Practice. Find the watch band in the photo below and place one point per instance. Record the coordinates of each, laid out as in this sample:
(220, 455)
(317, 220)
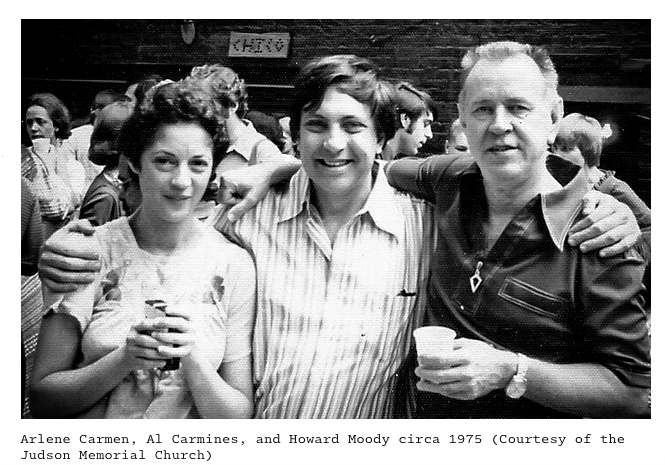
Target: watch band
(522, 366)
(517, 385)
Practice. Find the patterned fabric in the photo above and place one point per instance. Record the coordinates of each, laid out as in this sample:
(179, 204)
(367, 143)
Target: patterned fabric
(214, 279)
(48, 177)
(32, 306)
(334, 320)
(32, 233)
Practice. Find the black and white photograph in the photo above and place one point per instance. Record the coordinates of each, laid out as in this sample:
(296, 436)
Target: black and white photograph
(410, 221)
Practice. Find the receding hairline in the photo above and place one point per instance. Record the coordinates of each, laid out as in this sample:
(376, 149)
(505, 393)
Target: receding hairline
(499, 52)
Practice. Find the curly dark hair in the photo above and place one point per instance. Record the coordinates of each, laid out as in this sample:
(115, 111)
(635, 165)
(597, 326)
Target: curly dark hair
(353, 76)
(56, 110)
(176, 102)
(224, 85)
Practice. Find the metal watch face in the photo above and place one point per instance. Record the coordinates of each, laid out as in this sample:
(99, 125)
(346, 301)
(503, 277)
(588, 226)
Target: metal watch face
(516, 388)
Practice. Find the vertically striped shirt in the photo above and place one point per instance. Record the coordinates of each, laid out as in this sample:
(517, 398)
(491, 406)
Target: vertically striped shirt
(334, 321)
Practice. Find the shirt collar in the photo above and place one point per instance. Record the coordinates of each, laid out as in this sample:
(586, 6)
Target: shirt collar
(246, 142)
(560, 208)
(380, 204)
(298, 197)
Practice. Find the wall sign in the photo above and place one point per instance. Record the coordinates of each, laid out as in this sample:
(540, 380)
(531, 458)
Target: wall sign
(270, 45)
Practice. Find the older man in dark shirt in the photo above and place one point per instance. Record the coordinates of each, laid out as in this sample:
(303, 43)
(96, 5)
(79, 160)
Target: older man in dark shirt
(545, 331)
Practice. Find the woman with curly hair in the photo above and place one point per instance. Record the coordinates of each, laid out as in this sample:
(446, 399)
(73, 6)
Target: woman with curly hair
(165, 331)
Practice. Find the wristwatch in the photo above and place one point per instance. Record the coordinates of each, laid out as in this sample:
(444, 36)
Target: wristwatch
(517, 385)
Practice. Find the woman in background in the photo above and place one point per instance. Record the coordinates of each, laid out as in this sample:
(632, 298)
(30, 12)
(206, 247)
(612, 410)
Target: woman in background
(56, 178)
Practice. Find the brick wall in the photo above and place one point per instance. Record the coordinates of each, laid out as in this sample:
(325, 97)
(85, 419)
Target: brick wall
(97, 54)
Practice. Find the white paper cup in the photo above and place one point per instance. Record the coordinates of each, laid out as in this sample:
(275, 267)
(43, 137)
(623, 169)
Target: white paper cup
(434, 340)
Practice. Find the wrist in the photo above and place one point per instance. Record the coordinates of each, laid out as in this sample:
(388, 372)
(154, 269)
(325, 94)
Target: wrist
(512, 366)
(518, 382)
(126, 359)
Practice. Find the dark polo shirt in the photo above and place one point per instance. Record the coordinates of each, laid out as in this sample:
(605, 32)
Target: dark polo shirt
(538, 295)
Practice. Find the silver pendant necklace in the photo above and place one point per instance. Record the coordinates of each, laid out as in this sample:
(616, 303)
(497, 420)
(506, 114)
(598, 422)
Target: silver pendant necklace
(476, 280)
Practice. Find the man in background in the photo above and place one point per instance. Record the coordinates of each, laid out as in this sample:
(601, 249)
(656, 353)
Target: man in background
(415, 112)
(80, 137)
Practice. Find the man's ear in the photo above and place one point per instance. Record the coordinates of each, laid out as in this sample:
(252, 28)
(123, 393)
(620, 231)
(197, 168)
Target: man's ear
(462, 119)
(557, 116)
(380, 144)
(132, 167)
(404, 120)
(228, 111)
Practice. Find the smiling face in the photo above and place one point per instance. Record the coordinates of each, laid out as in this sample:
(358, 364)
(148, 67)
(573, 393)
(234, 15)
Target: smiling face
(509, 116)
(174, 171)
(338, 144)
(39, 123)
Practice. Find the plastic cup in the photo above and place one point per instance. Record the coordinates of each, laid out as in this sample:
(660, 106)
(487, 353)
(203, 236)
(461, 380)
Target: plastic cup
(434, 340)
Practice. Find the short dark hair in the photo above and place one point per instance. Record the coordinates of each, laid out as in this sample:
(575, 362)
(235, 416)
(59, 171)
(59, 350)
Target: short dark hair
(413, 102)
(144, 85)
(583, 132)
(108, 124)
(225, 86)
(175, 102)
(56, 110)
(355, 77)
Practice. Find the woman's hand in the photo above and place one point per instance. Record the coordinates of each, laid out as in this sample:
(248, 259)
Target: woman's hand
(175, 333)
(142, 348)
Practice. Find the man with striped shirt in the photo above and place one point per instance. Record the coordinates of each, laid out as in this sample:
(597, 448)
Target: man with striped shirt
(338, 256)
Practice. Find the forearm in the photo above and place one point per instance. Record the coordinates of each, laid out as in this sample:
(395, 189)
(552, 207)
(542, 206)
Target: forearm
(213, 396)
(281, 169)
(588, 390)
(403, 174)
(69, 259)
(65, 393)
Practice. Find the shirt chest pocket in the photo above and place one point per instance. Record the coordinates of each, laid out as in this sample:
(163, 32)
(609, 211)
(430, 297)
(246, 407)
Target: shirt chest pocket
(533, 299)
